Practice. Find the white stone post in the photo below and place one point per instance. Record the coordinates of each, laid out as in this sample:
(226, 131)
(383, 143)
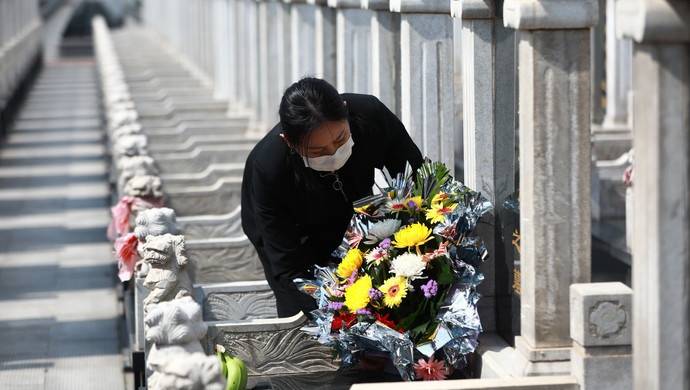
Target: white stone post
(555, 221)
(325, 41)
(614, 136)
(661, 248)
(384, 80)
(274, 59)
(600, 325)
(426, 75)
(302, 39)
(488, 71)
(353, 35)
(221, 56)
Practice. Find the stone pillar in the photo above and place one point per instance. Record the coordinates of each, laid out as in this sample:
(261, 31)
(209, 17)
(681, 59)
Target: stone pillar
(302, 39)
(384, 82)
(555, 224)
(600, 325)
(488, 69)
(353, 35)
(613, 137)
(661, 130)
(325, 41)
(232, 49)
(426, 75)
(618, 73)
(221, 56)
(274, 54)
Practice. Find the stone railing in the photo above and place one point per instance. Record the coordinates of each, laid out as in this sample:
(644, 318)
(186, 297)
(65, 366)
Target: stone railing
(222, 275)
(531, 54)
(20, 46)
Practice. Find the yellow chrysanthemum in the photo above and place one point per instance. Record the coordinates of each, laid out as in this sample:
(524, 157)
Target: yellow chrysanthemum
(350, 263)
(412, 236)
(357, 295)
(394, 290)
(438, 212)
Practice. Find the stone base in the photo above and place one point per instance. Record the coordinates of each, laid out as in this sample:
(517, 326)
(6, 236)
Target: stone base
(530, 361)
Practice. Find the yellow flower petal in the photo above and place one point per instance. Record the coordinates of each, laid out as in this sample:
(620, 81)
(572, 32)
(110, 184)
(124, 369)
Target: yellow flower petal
(357, 295)
(411, 236)
(350, 263)
(394, 290)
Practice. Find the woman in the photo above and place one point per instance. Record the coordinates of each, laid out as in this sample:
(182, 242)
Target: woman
(300, 180)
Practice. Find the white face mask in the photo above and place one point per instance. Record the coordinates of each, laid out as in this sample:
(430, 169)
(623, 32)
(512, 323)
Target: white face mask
(333, 162)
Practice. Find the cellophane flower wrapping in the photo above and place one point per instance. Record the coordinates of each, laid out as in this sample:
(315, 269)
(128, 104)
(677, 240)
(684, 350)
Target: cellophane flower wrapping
(407, 281)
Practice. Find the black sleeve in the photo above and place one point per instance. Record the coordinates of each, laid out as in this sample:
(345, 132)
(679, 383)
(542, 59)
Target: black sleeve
(282, 248)
(398, 145)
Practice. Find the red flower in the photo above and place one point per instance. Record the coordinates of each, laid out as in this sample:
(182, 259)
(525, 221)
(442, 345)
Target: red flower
(343, 319)
(388, 322)
(433, 370)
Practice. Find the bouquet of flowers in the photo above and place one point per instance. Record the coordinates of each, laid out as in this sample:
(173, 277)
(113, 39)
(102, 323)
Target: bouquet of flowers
(406, 284)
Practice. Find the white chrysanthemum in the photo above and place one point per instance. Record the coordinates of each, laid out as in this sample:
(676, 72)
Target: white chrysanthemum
(408, 265)
(382, 229)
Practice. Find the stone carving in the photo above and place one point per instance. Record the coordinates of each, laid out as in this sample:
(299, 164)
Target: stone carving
(175, 322)
(145, 186)
(188, 372)
(239, 306)
(155, 222)
(607, 319)
(224, 263)
(130, 145)
(129, 129)
(276, 352)
(167, 276)
(130, 167)
(176, 357)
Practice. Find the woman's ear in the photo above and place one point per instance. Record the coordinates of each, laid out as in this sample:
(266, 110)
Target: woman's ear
(292, 148)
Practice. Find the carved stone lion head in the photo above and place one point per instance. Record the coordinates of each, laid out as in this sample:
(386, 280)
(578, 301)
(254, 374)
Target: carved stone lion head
(144, 186)
(155, 222)
(176, 322)
(194, 371)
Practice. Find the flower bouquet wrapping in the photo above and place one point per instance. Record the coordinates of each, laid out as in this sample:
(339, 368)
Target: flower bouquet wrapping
(406, 282)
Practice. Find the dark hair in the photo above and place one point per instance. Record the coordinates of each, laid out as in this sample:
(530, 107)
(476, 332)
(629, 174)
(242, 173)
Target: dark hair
(305, 105)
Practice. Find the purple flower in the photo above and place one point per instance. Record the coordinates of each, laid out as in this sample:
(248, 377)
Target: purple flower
(430, 288)
(335, 305)
(375, 294)
(363, 312)
(412, 205)
(385, 244)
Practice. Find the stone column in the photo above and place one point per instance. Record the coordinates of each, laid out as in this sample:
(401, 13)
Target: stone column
(274, 59)
(426, 75)
(353, 34)
(554, 101)
(221, 56)
(325, 41)
(488, 69)
(600, 325)
(661, 250)
(613, 137)
(384, 81)
(618, 74)
(302, 39)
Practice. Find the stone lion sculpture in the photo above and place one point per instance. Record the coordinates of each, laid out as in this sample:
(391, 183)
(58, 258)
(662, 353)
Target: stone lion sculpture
(155, 222)
(144, 186)
(131, 166)
(176, 357)
(187, 372)
(167, 276)
(131, 145)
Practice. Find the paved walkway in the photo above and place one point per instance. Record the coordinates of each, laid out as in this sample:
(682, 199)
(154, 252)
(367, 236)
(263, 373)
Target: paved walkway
(58, 304)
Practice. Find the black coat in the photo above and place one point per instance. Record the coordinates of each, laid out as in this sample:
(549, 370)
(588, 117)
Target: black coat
(293, 215)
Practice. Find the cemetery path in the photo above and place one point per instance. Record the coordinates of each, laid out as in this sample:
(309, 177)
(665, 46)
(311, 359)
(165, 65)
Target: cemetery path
(59, 312)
